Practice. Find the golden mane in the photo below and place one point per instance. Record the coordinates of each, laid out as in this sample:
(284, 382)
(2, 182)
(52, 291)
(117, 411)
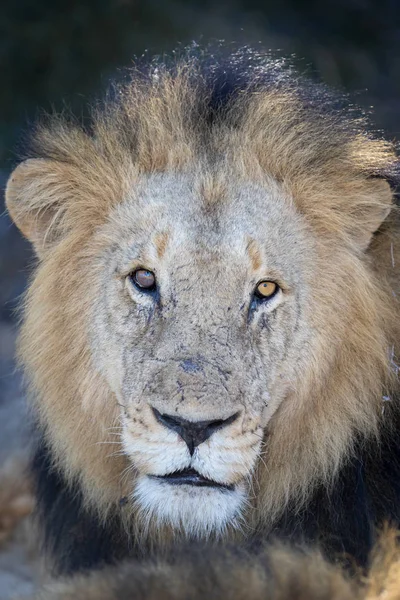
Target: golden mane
(169, 120)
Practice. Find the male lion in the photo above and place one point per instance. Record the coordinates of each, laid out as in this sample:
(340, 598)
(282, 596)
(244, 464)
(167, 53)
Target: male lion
(211, 332)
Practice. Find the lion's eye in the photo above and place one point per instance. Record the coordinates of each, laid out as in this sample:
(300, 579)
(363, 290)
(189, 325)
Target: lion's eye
(266, 289)
(144, 280)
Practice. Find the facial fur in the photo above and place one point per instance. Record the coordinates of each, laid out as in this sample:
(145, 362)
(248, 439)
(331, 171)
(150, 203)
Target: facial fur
(203, 348)
(266, 192)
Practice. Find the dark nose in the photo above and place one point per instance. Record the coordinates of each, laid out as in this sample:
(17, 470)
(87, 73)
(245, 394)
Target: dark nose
(193, 433)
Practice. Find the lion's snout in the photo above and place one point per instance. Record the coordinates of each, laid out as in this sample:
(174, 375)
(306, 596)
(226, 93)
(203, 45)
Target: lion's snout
(193, 433)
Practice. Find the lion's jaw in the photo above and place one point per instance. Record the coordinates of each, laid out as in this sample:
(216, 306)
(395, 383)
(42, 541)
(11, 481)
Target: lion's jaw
(202, 350)
(218, 474)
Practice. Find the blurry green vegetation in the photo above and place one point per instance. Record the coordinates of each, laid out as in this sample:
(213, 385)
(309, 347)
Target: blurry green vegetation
(63, 51)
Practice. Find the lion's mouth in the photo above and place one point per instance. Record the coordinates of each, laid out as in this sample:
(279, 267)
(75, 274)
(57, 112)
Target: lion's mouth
(191, 477)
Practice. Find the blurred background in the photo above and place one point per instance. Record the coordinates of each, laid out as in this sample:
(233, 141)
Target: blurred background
(57, 53)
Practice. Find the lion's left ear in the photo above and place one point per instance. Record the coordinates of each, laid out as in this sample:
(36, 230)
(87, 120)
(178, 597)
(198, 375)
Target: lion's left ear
(371, 213)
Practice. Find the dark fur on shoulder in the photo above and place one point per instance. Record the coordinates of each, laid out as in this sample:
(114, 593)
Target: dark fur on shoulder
(73, 535)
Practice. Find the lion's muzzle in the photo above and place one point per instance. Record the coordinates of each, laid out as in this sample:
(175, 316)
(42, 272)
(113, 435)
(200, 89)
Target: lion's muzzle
(193, 433)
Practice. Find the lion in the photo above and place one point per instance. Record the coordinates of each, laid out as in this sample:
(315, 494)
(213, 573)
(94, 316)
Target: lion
(210, 335)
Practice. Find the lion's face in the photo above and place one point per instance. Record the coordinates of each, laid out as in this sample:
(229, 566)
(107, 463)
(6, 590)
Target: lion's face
(199, 361)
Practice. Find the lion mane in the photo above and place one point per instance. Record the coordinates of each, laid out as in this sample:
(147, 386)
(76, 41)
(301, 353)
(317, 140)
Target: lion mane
(327, 469)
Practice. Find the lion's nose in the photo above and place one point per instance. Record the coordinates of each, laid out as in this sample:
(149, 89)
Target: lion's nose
(193, 433)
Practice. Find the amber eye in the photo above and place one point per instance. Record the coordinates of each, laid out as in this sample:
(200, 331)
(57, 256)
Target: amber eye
(266, 289)
(143, 279)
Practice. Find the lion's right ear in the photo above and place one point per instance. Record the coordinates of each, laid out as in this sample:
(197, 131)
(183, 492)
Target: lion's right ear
(36, 198)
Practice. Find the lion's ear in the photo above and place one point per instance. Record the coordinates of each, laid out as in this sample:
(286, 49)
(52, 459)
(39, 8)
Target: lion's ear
(36, 196)
(373, 212)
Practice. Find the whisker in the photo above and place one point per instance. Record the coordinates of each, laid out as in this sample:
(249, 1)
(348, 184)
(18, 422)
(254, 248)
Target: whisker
(114, 454)
(126, 472)
(250, 481)
(264, 463)
(113, 443)
(262, 437)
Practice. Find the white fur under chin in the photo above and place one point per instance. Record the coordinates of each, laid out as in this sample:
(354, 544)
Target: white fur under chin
(197, 512)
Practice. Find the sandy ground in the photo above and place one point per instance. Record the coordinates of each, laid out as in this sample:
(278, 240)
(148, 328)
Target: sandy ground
(18, 551)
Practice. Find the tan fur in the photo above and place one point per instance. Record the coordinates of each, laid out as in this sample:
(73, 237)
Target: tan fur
(277, 574)
(161, 242)
(75, 206)
(383, 579)
(255, 255)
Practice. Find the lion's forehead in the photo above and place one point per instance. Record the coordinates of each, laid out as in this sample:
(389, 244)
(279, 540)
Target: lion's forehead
(215, 220)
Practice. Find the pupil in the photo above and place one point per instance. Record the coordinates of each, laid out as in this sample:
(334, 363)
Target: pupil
(144, 279)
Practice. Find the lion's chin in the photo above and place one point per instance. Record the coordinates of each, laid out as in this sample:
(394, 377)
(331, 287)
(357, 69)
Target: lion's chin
(197, 511)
